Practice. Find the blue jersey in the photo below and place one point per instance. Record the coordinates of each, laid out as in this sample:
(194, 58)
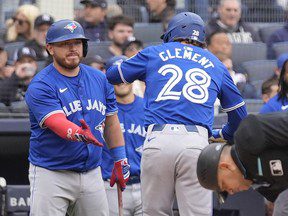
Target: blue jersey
(182, 84)
(87, 96)
(131, 117)
(275, 105)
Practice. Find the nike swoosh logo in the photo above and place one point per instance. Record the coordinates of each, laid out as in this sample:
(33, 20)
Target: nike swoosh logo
(149, 139)
(284, 107)
(62, 90)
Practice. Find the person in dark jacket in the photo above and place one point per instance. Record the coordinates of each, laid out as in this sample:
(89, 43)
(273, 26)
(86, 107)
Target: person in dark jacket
(94, 21)
(38, 44)
(229, 20)
(258, 158)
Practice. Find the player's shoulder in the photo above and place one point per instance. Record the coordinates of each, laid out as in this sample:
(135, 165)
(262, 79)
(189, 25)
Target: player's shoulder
(44, 76)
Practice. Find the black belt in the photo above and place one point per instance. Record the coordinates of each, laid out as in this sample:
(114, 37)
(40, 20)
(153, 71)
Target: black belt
(189, 128)
(132, 180)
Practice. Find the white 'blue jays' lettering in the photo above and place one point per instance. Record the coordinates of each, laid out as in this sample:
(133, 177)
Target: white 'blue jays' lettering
(75, 106)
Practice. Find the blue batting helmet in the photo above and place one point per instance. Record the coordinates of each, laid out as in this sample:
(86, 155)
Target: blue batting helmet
(185, 25)
(64, 30)
(114, 60)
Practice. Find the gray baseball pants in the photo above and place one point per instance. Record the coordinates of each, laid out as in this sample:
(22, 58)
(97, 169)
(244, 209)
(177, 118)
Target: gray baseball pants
(53, 193)
(168, 168)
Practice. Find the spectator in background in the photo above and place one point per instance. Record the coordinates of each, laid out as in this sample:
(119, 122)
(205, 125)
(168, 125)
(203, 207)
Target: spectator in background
(14, 88)
(219, 44)
(5, 69)
(41, 25)
(161, 11)
(229, 20)
(280, 101)
(269, 88)
(280, 62)
(21, 26)
(120, 29)
(94, 22)
(95, 61)
(130, 48)
(280, 35)
(113, 10)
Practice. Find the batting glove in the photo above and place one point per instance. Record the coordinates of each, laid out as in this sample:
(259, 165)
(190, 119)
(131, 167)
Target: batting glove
(84, 134)
(217, 136)
(120, 173)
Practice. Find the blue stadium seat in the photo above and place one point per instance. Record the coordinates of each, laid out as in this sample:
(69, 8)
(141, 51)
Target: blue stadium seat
(265, 32)
(242, 52)
(280, 48)
(258, 71)
(148, 32)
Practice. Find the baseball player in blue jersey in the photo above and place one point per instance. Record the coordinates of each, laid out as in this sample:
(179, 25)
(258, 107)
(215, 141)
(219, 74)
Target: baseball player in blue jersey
(183, 81)
(68, 104)
(131, 117)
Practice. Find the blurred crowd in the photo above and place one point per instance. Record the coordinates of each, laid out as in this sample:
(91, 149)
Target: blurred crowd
(23, 52)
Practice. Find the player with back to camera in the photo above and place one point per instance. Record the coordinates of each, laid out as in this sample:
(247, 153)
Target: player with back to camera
(69, 103)
(183, 81)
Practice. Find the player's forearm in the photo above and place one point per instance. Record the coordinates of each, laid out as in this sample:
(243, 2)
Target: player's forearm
(113, 75)
(112, 132)
(234, 119)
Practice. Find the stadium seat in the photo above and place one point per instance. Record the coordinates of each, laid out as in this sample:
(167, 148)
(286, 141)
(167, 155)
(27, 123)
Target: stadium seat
(242, 52)
(138, 12)
(265, 32)
(11, 48)
(258, 71)
(280, 48)
(253, 105)
(95, 48)
(148, 32)
(17, 200)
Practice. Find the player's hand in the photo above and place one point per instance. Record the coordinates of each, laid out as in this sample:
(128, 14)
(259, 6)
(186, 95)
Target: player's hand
(217, 136)
(120, 173)
(84, 134)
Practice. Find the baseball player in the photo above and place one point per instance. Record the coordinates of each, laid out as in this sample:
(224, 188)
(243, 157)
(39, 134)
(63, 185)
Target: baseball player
(183, 81)
(259, 158)
(68, 104)
(131, 117)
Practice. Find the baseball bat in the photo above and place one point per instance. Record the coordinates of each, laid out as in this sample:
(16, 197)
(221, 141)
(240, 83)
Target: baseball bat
(120, 201)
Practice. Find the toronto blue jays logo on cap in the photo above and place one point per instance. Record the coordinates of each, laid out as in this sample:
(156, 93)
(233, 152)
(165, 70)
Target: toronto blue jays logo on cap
(71, 27)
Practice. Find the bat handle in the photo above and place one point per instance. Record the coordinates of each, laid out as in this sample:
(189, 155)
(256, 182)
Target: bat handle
(120, 201)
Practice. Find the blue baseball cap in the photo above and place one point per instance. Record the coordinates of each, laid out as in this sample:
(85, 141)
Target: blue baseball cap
(281, 60)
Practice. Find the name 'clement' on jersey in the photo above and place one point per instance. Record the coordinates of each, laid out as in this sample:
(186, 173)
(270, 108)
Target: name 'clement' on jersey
(186, 53)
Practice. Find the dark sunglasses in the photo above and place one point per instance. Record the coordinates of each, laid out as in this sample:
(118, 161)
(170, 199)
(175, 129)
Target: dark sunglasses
(20, 22)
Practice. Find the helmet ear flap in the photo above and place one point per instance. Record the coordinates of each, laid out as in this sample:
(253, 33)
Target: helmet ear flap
(85, 47)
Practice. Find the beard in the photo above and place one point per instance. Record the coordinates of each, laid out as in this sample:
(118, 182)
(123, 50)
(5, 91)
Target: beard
(67, 65)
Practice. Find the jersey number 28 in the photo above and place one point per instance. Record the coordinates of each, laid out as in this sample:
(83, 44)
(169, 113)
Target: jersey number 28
(195, 88)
